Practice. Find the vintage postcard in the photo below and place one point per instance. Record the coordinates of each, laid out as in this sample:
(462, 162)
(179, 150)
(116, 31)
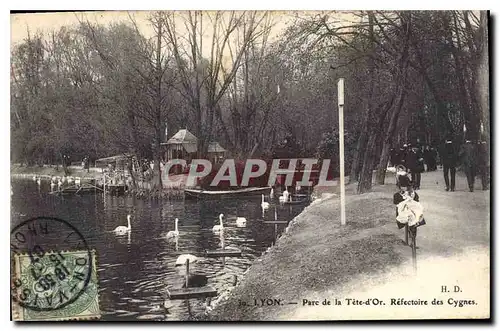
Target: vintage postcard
(250, 165)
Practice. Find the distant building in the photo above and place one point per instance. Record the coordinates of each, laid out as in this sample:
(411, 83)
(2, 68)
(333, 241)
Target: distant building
(184, 145)
(115, 163)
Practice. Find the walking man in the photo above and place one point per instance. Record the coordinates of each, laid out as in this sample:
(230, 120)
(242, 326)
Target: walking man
(449, 161)
(469, 158)
(483, 163)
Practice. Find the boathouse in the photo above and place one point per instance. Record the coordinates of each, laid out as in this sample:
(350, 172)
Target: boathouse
(184, 145)
(116, 162)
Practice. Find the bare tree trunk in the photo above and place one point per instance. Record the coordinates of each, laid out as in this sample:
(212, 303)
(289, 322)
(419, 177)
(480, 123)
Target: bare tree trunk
(401, 84)
(157, 184)
(483, 77)
(360, 147)
(365, 176)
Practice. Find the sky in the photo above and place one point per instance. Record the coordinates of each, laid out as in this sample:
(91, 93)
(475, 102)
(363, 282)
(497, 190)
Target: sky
(46, 22)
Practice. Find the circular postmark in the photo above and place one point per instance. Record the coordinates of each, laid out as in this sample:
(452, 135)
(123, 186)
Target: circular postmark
(52, 264)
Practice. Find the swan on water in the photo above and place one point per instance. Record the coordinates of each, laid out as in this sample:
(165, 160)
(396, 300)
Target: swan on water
(181, 260)
(175, 233)
(219, 227)
(264, 205)
(284, 196)
(124, 229)
(241, 221)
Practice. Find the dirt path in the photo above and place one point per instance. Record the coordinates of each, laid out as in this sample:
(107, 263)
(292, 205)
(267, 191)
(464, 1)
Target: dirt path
(318, 260)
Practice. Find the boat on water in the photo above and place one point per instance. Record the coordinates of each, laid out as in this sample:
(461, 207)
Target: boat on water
(236, 193)
(83, 189)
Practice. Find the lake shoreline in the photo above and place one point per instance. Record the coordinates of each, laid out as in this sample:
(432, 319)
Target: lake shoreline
(47, 172)
(175, 190)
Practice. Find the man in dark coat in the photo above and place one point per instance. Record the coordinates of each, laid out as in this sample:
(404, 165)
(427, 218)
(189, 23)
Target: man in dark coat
(468, 159)
(395, 157)
(402, 155)
(433, 158)
(483, 165)
(415, 164)
(429, 158)
(449, 161)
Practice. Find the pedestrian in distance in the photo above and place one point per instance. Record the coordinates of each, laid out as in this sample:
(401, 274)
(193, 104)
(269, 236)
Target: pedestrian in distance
(433, 158)
(483, 165)
(468, 157)
(449, 161)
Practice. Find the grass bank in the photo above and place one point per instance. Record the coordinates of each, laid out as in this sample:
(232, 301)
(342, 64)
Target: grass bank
(316, 254)
(316, 258)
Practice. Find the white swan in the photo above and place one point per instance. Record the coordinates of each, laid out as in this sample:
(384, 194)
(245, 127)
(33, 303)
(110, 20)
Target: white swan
(219, 227)
(123, 229)
(264, 205)
(284, 196)
(175, 233)
(181, 260)
(241, 221)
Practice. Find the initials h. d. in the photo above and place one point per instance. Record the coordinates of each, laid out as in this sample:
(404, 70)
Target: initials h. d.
(456, 288)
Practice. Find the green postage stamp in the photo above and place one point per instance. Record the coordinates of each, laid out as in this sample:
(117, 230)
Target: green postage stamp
(55, 286)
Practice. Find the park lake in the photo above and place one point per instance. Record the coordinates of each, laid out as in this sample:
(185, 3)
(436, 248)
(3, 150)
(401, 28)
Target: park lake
(134, 271)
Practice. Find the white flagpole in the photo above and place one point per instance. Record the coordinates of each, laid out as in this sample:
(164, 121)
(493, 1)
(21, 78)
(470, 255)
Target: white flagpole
(340, 92)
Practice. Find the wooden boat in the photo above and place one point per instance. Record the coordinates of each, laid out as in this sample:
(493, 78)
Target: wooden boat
(243, 192)
(83, 189)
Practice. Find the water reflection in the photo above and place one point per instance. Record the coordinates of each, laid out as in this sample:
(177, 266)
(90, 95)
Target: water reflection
(135, 269)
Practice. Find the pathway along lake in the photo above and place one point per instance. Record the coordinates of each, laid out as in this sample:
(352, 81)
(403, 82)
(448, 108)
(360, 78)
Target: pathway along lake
(134, 271)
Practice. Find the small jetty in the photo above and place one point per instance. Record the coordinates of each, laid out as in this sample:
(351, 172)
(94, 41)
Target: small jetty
(191, 292)
(229, 252)
(275, 222)
(115, 189)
